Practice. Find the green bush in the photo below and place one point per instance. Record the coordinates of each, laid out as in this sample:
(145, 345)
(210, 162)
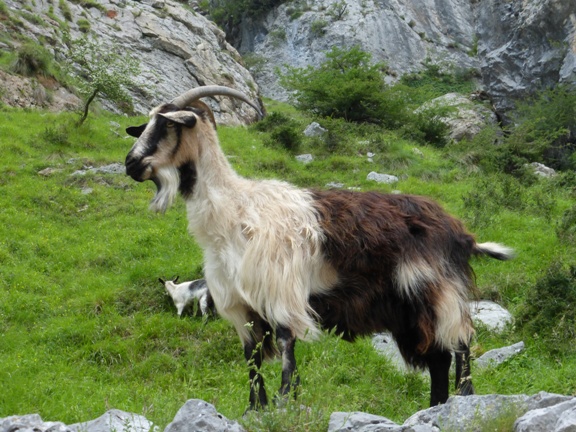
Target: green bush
(544, 127)
(347, 85)
(566, 227)
(549, 310)
(283, 131)
(32, 60)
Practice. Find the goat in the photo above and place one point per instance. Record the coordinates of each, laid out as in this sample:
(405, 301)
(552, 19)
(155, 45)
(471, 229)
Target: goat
(184, 294)
(283, 263)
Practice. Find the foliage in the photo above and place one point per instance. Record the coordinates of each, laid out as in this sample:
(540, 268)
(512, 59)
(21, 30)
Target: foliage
(101, 71)
(566, 226)
(33, 60)
(545, 127)
(345, 86)
(65, 9)
(549, 309)
(283, 131)
(435, 80)
(543, 130)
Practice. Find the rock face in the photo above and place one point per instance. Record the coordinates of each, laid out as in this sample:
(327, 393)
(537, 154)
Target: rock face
(525, 45)
(516, 46)
(177, 48)
(403, 34)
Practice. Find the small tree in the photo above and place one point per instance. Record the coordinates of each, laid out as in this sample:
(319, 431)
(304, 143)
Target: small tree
(102, 71)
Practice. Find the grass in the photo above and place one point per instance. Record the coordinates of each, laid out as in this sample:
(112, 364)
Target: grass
(85, 326)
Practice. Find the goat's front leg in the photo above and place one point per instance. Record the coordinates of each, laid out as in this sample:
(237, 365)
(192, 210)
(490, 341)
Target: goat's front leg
(439, 367)
(286, 341)
(253, 355)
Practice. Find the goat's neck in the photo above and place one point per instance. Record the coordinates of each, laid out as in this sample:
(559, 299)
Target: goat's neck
(217, 185)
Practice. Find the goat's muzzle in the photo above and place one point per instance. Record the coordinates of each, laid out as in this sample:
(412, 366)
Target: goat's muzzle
(136, 169)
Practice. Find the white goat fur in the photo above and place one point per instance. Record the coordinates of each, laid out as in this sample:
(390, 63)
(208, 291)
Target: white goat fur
(271, 261)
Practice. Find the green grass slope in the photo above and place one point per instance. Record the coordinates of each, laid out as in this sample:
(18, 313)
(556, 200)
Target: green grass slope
(85, 326)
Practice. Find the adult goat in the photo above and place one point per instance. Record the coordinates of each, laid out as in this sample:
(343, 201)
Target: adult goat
(282, 261)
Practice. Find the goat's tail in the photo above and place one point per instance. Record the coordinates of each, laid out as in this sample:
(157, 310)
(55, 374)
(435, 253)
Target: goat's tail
(494, 250)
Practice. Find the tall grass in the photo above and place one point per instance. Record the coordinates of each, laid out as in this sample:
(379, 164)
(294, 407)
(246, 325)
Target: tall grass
(85, 326)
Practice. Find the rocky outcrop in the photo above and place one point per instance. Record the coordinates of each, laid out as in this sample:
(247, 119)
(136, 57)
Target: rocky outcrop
(515, 46)
(537, 413)
(403, 34)
(177, 48)
(525, 45)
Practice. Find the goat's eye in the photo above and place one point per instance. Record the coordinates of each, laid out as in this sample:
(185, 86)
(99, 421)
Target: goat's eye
(170, 124)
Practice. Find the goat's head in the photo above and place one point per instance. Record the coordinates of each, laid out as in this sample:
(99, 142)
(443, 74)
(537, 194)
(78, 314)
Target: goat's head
(168, 146)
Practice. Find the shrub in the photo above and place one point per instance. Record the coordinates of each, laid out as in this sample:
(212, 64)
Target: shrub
(549, 310)
(32, 60)
(545, 127)
(566, 227)
(83, 25)
(283, 131)
(347, 85)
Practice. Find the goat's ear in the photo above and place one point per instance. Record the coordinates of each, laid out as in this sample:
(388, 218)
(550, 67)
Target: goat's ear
(185, 118)
(136, 131)
(162, 281)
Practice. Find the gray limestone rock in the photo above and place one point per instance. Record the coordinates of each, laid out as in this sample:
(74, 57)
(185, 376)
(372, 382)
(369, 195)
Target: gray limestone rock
(197, 415)
(115, 420)
(500, 355)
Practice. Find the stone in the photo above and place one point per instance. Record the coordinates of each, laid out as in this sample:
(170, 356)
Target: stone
(197, 415)
(499, 355)
(490, 314)
(360, 422)
(466, 119)
(542, 170)
(548, 419)
(382, 178)
(314, 129)
(30, 423)
(305, 158)
(115, 420)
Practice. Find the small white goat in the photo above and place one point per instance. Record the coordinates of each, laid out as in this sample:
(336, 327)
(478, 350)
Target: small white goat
(184, 294)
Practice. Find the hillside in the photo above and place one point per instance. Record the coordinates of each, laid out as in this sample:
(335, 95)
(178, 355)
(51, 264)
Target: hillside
(86, 325)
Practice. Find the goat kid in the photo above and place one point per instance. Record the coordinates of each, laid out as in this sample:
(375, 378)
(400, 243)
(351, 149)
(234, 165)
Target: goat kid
(283, 262)
(184, 294)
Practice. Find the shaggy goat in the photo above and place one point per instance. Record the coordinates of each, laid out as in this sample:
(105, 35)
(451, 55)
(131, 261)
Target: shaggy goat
(184, 294)
(283, 261)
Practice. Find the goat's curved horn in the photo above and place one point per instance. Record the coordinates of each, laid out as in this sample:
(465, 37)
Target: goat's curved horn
(213, 90)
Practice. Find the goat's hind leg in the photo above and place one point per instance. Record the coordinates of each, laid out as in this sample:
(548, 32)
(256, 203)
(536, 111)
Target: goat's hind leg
(286, 341)
(464, 385)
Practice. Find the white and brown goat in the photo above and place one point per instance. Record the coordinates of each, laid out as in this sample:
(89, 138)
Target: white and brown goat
(284, 262)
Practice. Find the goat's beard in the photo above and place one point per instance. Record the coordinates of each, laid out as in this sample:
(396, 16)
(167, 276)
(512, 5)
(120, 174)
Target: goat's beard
(167, 181)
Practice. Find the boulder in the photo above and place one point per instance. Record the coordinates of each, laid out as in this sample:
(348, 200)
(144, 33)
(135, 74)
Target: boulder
(197, 415)
(115, 420)
(382, 178)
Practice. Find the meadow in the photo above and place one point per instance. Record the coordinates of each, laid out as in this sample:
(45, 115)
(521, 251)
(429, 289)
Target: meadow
(85, 325)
